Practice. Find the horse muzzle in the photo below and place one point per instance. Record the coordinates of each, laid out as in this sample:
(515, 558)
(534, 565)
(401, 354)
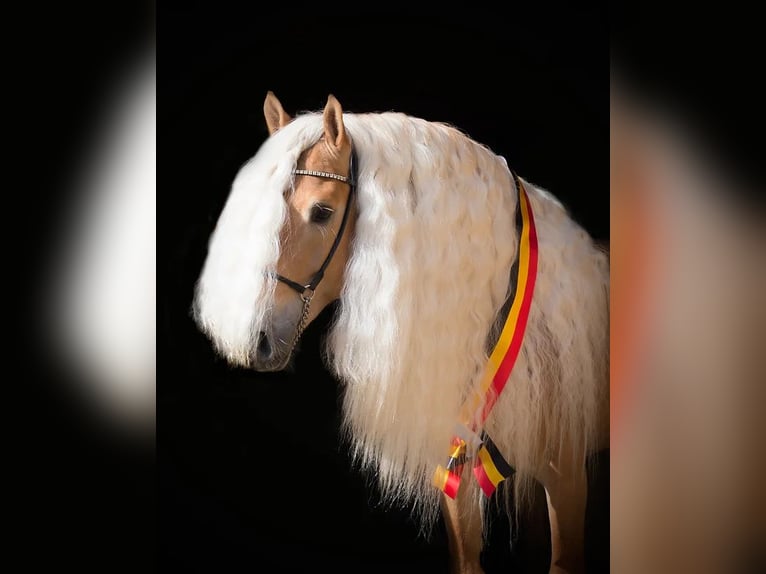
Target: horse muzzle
(270, 352)
(272, 347)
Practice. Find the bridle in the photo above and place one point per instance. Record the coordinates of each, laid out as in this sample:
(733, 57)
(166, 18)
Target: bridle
(307, 291)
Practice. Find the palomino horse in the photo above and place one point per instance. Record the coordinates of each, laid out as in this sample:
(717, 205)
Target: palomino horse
(414, 228)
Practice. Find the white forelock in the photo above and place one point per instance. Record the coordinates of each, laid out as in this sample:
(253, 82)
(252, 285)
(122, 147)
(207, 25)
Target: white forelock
(234, 294)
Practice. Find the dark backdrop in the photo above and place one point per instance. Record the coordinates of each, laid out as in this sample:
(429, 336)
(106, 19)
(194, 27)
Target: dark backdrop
(252, 475)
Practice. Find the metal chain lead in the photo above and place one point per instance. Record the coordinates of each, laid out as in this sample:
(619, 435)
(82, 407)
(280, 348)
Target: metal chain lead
(299, 329)
(302, 324)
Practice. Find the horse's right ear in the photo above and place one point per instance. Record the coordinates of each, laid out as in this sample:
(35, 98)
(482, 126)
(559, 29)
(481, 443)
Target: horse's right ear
(276, 117)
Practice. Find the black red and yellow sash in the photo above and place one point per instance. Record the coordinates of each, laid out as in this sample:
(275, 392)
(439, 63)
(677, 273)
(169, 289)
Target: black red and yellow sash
(490, 468)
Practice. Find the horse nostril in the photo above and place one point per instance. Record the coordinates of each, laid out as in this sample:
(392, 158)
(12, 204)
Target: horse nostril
(263, 347)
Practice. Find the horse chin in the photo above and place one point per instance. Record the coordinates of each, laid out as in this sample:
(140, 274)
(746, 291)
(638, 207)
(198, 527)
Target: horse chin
(272, 368)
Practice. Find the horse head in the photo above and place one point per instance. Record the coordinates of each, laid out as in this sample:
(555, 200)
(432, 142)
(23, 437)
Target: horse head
(315, 236)
(315, 230)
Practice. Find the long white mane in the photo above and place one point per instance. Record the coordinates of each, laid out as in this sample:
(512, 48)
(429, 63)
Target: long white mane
(434, 242)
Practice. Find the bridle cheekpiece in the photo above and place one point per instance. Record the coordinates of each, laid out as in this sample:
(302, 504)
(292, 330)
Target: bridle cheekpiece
(307, 291)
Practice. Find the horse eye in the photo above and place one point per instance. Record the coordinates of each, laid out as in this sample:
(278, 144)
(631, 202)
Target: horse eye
(321, 214)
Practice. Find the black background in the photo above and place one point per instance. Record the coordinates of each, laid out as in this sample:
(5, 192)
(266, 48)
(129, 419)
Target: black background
(529, 80)
(252, 474)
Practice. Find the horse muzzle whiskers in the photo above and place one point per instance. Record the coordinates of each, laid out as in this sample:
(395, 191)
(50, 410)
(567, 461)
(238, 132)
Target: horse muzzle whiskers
(270, 353)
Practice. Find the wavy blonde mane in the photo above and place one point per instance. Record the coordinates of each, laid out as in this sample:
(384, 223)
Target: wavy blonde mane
(435, 239)
(434, 242)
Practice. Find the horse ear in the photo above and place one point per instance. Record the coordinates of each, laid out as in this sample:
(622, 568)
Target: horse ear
(334, 131)
(276, 117)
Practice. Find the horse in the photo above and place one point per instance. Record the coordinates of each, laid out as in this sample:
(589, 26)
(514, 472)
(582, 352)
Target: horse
(409, 225)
